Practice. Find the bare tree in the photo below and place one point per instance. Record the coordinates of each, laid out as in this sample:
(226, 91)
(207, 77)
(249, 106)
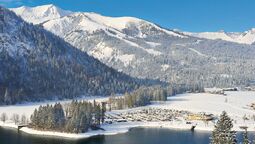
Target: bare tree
(23, 119)
(245, 118)
(15, 118)
(4, 117)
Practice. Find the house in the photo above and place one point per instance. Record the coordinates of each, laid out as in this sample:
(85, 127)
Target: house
(200, 116)
(214, 91)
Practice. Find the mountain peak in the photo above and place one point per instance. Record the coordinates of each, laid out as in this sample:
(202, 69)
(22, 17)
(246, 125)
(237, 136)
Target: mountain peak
(247, 37)
(50, 5)
(252, 30)
(221, 31)
(114, 22)
(40, 14)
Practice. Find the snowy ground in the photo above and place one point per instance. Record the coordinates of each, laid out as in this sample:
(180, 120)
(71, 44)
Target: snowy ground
(236, 104)
(28, 108)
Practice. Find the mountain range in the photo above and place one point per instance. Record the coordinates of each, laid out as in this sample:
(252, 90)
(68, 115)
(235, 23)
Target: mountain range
(145, 50)
(42, 14)
(247, 37)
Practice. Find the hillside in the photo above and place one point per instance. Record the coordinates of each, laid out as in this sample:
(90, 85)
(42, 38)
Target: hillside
(37, 65)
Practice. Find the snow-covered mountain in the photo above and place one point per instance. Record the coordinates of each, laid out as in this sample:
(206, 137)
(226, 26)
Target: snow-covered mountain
(37, 65)
(80, 27)
(40, 14)
(86, 21)
(93, 22)
(247, 37)
(145, 50)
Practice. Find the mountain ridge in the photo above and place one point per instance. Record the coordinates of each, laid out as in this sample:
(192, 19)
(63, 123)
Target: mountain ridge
(247, 37)
(145, 50)
(114, 22)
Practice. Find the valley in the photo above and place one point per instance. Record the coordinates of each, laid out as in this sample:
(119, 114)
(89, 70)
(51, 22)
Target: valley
(237, 106)
(72, 76)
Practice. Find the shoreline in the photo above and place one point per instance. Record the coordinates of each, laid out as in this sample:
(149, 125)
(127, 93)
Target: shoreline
(111, 129)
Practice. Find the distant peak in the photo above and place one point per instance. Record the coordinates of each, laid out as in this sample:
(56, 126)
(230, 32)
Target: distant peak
(51, 5)
(253, 30)
(47, 6)
(36, 7)
(221, 31)
(23, 7)
(42, 8)
(40, 14)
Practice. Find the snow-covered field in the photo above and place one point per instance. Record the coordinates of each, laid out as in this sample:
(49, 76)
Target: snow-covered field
(236, 104)
(28, 108)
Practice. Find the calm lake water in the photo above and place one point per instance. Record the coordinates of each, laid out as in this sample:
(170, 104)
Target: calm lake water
(134, 136)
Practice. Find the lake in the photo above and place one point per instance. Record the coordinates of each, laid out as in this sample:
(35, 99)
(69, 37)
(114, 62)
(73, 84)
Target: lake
(134, 136)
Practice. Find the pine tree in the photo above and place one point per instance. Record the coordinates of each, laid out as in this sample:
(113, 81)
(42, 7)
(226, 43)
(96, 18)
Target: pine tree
(245, 137)
(103, 110)
(59, 115)
(222, 133)
(97, 114)
(34, 119)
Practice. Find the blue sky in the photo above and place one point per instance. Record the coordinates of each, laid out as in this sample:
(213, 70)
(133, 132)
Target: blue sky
(187, 15)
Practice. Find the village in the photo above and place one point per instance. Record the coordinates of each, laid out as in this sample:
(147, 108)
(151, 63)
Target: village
(159, 115)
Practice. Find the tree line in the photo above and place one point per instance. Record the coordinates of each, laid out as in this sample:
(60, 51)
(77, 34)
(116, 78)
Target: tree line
(140, 97)
(77, 117)
(144, 95)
